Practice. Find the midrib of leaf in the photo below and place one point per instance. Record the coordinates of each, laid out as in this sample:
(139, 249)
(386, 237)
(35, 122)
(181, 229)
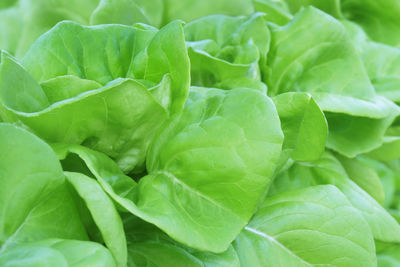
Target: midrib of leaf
(273, 240)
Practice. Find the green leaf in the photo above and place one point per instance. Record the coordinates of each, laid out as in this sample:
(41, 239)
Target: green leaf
(28, 96)
(311, 57)
(35, 203)
(64, 87)
(364, 176)
(140, 52)
(383, 65)
(188, 10)
(224, 49)
(357, 35)
(308, 227)
(378, 19)
(304, 126)
(389, 178)
(389, 256)
(104, 214)
(77, 85)
(331, 7)
(10, 35)
(353, 135)
(183, 194)
(158, 255)
(220, 152)
(7, 3)
(390, 149)
(328, 170)
(313, 53)
(57, 252)
(275, 11)
(25, 21)
(148, 246)
(128, 12)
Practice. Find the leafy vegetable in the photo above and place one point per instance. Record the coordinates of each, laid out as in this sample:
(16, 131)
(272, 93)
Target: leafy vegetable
(98, 203)
(125, 86)
(128, 12)
(189, 10)
(180, 177)
(166, 133)
(314, 54)
(58, 252)
(388, 255)
(328, 170)
(378, 20)
(35, 203)
(364, 175)
(383, 65)
(148, 245)
(25, 20)
(226, 51)
(311, 226)
(304, 126)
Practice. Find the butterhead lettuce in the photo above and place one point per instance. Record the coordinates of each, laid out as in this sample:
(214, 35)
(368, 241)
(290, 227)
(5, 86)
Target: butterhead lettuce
(166, 133)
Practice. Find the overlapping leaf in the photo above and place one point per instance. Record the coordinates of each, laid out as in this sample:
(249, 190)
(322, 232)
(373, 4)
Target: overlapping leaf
(183, 194)
(306, 227)
(35, 202)
(111, 94)
(225, 52)
(328, 170)
(314, 54)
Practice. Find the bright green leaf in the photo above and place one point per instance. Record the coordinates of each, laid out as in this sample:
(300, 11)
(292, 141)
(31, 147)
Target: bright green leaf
(188, 10)
(151, 247)
(304, 126)
(57, 252)
(380, 19)
(224, 50)
(313, 53)
(242, 148)
(35, 203)
(111, 95)
(328, 170)
(308, 227)
(364, 176)
(104, 214)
